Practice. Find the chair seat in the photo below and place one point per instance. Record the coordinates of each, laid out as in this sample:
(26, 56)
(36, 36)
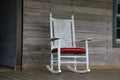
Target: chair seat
(70, 50)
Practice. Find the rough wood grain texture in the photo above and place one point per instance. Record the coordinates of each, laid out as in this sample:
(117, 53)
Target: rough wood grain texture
(93, 18)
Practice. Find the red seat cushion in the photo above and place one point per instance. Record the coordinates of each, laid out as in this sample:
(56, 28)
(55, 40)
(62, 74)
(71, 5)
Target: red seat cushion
(70, 50)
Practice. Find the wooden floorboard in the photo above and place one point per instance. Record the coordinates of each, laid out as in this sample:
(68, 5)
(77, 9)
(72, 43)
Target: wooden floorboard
(96, 74)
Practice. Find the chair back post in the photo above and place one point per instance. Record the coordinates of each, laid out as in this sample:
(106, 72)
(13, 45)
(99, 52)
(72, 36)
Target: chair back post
(73, 31)
(51, 30)
(51, 26)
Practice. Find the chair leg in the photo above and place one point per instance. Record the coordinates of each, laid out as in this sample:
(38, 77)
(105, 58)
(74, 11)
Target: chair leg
(75, 65)
(59, 65)
(51, 64)
(87, 64)
(51, 68)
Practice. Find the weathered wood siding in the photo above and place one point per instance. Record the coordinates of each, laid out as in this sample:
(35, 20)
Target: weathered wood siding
(93, 18)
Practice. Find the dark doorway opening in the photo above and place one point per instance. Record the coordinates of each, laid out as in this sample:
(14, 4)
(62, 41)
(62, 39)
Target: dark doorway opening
(9, 34)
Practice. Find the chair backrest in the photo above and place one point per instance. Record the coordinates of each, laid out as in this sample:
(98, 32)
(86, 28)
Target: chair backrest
(63, 29)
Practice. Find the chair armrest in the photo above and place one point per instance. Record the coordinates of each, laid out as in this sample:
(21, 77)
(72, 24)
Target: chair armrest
(84, 39)
(89, 39)
(54, 39)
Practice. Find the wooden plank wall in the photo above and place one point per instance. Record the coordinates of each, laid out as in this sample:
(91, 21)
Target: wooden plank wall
(93, 18)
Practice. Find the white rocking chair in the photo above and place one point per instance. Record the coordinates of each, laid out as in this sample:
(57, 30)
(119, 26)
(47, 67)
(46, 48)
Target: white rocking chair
(63, 47)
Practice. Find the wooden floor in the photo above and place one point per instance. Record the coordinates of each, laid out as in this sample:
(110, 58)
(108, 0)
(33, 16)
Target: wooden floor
(3, 68)
(107, 74)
